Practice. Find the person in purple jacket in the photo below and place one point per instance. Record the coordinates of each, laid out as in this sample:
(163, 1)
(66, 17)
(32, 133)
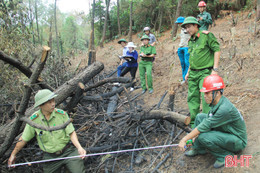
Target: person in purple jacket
(131, 65)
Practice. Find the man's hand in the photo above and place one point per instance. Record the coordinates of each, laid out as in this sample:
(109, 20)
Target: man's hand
(200, 18)
(186, 76)
(214, 72)
(182, 145)
(142, 54)
(205, 32)
(82, 152)
(11, 160)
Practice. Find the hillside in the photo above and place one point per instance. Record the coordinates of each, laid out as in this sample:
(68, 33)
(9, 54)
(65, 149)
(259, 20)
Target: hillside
(239, 64)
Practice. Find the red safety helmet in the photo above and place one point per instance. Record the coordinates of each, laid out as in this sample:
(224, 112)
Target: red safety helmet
(212, 82)
(202, 4)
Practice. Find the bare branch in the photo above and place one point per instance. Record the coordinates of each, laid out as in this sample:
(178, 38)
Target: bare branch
(50, 129)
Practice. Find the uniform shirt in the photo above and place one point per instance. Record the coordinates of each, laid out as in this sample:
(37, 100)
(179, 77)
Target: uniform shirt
(152, 38)
(202, 49)
(185, 36)
(132, 63)
(206, 21)
(147, 49)
(50, 142)
(226, 118)
(125, 49)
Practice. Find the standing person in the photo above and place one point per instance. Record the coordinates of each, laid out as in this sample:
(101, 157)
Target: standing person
(147, 31)
(222, 131)
(122, 64)
(204, 59)
(55, 144)
(204, 18)
(131, 62)
(183, 49)
(147, 54)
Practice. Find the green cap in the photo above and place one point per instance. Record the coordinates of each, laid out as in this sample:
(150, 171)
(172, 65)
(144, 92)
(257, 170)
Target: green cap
(189, 20)
(145, 37)
(43, 96)
(122, 40)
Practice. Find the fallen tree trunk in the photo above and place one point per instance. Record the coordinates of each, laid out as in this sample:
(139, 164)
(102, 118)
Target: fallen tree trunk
(111, 107)
(166, 115)
(63, 92)
(73, 87)
(68, 88)
(20, 66)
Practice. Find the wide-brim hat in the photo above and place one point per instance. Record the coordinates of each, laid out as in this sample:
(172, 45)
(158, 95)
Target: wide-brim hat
(130, 44)
(190, 20)
(43, 96)
(145, 37)
(121, 40)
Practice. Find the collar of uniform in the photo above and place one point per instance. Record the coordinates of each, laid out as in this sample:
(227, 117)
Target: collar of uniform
(43, 117)
(148, 45)
(215, 107)
(203, 12)
(197, 35)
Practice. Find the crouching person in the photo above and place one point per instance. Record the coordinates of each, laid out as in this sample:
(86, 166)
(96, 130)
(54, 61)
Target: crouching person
(55, 144)
(131, 62)
(222, 131)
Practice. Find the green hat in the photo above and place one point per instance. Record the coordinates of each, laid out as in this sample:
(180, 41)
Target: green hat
(43, 96)
(145, 37)
(189, 20)
(122, 40)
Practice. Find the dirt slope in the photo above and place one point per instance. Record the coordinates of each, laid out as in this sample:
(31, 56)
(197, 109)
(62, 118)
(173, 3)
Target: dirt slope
(239, 64)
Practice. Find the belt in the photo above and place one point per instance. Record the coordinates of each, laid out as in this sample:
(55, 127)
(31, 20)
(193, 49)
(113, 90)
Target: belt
(149, 60)
(57, 153)
(209, 68)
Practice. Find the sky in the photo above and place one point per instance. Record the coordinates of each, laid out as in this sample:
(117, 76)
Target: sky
(67, 6)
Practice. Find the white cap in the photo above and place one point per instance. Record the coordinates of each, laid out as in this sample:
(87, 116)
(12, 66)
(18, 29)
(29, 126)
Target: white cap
(130, 44)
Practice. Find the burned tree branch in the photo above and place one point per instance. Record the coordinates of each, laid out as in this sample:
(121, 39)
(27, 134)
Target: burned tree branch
(107, 80)
(50, 129)
(69, 87)
(167, 115)
(101, 97)
(20, 66)
(24, 103)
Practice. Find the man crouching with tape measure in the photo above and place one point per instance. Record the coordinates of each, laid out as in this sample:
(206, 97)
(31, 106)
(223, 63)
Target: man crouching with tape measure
(55, 144)
(222, 131)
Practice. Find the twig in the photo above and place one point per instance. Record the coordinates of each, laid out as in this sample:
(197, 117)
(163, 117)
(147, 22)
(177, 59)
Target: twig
(50, 129)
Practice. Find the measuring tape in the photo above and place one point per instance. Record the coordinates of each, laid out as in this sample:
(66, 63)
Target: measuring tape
(94, 154)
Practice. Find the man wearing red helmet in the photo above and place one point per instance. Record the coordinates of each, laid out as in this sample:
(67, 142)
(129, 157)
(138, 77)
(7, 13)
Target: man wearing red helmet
(222, 131)
(204, 18)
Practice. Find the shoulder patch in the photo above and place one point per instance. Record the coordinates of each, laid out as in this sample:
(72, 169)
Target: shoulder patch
(34, 116)
(60, 111)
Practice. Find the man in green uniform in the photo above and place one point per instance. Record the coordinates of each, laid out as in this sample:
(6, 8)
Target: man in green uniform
(147, 54)
(204, 17)
(204, 57)
(222, 131)
(55, 144)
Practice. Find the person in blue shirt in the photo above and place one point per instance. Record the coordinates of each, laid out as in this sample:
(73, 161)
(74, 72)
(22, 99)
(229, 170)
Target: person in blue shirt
(122, 64)
(131, 62)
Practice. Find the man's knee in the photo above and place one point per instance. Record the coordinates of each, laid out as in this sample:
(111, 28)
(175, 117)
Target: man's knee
(200, 117)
